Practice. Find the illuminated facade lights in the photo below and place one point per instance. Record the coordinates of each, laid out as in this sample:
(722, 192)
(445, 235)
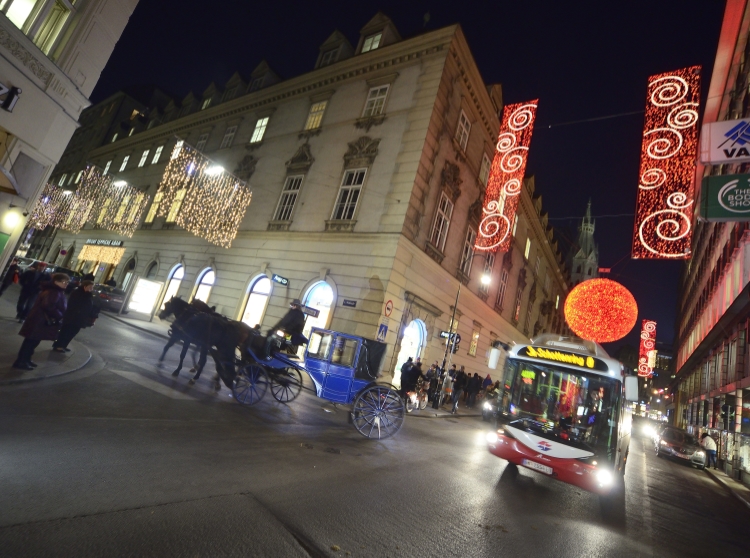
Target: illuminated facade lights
(600, 310)
(102, 254)
(506, 177)
(647, 353)
(664, 207)
(202, 197)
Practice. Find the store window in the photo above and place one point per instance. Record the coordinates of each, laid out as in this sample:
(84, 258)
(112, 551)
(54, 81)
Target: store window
(204, 285)
(320, 297)
(257, 301)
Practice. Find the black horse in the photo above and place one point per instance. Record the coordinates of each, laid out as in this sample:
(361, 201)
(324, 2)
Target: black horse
(182, 312)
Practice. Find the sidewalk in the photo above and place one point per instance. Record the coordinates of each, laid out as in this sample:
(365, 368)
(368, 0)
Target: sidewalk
(739, 490)
(50, 363)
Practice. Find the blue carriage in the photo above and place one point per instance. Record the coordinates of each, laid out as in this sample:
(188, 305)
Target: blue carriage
(344, 369)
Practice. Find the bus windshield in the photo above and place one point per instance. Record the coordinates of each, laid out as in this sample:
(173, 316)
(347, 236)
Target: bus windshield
(579, 409)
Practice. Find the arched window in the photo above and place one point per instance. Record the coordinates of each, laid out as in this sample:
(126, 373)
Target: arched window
(413, 341)
(151, 270)
(257, 301)
(320, 297)
(204, 285)
(175, 278)
(127, 273)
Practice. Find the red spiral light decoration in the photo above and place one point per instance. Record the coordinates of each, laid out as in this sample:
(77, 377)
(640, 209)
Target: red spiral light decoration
(600, 310)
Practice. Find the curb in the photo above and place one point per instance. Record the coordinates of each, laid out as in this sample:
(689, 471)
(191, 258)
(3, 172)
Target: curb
(734, 492)
(161, 335)
(40, 378)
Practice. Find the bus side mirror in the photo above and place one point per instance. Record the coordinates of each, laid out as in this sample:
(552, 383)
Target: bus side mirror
(631, 388)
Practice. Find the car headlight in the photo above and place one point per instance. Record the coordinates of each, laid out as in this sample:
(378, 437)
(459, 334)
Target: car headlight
(699, 453)
(604, 477)
(492, 437)
(663, 443)
(649, 431)
(488, 405)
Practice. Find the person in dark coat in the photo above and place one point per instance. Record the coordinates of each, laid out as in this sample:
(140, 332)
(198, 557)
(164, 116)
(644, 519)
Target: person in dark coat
(88, 277)
(43, 321)
(293, 323)
(472, 388)
(81, 312)
(11, 276)
(110, 282)
(31, 281)
(458, 388)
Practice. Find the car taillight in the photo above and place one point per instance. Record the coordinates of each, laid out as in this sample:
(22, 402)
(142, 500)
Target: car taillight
(104, 296)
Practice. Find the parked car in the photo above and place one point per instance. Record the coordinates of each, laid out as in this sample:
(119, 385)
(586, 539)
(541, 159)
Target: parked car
(24, 263)
(676, 443)
(109, 298)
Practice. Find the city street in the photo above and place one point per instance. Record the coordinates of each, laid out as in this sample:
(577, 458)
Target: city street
(119, 458)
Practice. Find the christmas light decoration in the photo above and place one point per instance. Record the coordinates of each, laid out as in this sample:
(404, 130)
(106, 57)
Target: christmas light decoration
(600, 310)
(119, 207)
(506, 177)
(647, 353)
(202, 197)
(101, 254)
(664, 207)
(58, 208)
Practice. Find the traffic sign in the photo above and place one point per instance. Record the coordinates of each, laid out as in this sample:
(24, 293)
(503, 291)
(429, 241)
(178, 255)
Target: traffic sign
(388, 308)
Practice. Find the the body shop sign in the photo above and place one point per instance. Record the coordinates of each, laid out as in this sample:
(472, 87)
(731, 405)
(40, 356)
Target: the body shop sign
(725, 198)
(725, 142)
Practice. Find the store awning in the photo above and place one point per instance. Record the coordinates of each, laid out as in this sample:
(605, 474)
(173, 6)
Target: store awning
(103, 254)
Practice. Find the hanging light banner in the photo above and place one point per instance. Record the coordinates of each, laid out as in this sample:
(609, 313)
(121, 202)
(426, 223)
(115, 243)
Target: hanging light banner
(506, 177)
(664, 206)
(647, 353)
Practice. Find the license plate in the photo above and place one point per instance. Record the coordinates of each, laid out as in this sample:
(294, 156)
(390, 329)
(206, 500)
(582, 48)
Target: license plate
(537, 467)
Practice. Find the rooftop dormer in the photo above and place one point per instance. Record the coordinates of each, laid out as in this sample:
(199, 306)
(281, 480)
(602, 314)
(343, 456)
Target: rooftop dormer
(262, 76)
(234, 87)
(335, 48)
(211, 96)
(378, 32)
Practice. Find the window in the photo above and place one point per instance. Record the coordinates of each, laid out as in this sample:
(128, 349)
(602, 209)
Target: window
(257, 301)
(154, 207)
(474, 343)
(330, 56)
(78, 176)
(206, 103)
(344, 351)
(144, 158)
(319, 296)
(484, 170)
(43, 19)
(315, 117)
(130, 133)
(121, 210)
(536, 266)
(103, 211)
(351, 185)
(179, 197)
(205, 285)
(527, 321)
(256, 84)
(515, 224)
(61, 182)
(517, 304)
(547, 283)
(114, 138)
(288, 198)
(468, 251)
(442, 222)
(372, 42)
(376, 101)
(229, 94)
(527, 250)
(557, 302)
(260, 129)
(157, 154)
(502, 287)
(106, 167)
(202, 139)
(175, 278)
(228, 137)
(124, 163)
(151, 270)
(489, 264)
(462, 131)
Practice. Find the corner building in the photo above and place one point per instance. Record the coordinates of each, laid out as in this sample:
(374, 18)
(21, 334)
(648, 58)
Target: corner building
(368, 177)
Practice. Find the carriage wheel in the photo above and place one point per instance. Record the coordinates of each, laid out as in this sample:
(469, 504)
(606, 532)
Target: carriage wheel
(378, 412)
(250, 385)
(286, 384)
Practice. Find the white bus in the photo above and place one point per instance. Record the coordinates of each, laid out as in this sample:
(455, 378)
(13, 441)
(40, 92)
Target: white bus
(566, 410)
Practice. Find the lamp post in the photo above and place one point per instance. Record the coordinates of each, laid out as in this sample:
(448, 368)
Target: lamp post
(486, 280)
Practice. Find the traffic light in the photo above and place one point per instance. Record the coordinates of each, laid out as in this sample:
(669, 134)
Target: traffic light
(727, 414)
(454, 342)
(454, 346)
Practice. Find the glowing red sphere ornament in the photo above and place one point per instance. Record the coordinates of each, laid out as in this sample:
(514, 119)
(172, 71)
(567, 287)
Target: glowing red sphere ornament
(600, 310)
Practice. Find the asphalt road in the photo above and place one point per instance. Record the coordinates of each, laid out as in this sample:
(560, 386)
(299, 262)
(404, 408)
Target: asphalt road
(120, 459)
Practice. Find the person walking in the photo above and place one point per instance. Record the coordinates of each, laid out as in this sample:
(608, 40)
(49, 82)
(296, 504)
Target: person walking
(459, 385)
(487, 383)
(11, 276)
(43, 321)
(472, 388)
(709, 445)
(81, 312)
(30, 281)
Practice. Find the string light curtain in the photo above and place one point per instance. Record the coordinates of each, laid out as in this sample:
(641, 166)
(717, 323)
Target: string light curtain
(59, 208)
(102, 254)
(202, 197)
(119, 208)
(647, 353)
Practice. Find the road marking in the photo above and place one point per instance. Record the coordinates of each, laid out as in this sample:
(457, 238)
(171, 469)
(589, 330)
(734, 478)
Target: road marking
(153, 385)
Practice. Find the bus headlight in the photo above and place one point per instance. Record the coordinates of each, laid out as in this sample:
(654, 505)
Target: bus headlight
(604, 477)
(492, 438)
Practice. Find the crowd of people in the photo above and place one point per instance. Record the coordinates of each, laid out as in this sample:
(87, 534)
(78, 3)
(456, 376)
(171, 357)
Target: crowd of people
(45, 311)
(451, 387)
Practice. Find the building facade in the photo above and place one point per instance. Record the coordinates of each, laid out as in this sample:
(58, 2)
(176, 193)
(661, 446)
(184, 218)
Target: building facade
(52, 53)
(711, 389)
(368, 177)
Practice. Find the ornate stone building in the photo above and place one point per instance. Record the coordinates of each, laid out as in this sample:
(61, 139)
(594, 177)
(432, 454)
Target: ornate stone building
(368, 175)
(583, 259)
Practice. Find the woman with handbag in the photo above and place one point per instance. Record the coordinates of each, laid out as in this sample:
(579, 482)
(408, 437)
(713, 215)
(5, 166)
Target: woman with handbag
(43, 321)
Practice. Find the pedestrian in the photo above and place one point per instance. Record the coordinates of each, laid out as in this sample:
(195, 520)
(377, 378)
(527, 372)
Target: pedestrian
(11, 276)
(31, 281)
(487, 383)
(81, 312)
(405, 367)
(468, 377)
(472, 388)
(410, 378)
(43, 321)
(709, 445)
(111, 282)
(452, 372)
(446, 389)
(459, 385)
(88, 277)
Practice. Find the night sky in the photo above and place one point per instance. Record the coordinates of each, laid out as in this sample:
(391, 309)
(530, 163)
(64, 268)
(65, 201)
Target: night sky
(583, 60)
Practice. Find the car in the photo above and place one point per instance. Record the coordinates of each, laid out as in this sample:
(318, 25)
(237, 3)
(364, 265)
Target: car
(25, 263)
(678, 444)
(109, 298)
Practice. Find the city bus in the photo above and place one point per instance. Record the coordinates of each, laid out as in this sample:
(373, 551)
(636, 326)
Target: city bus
(565, 412)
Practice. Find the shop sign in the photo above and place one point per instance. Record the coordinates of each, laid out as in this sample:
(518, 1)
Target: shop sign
(725, 142)
(564, 357)
(144, 296)
(103, 242)
(725, 198)
(314, 312)
(279, 279)
(9, 97)
(350, 303)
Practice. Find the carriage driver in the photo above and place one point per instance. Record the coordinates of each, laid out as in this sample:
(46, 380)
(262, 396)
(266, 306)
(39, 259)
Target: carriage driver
(292, 323)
